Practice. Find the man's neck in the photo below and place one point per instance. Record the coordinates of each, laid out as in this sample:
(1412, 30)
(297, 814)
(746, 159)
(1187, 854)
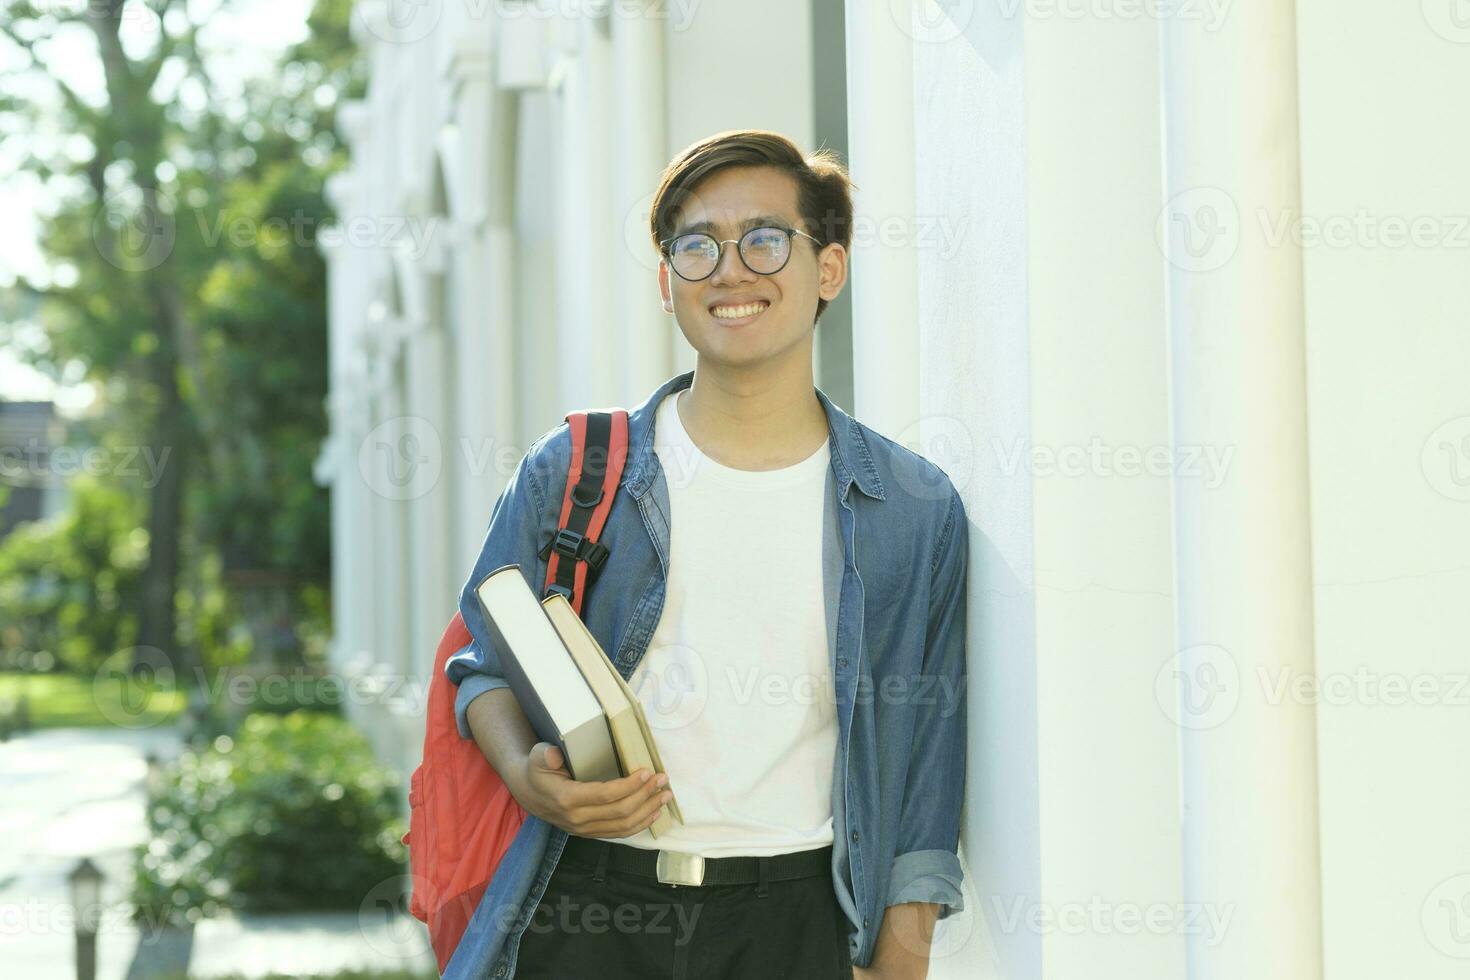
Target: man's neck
(763, 423)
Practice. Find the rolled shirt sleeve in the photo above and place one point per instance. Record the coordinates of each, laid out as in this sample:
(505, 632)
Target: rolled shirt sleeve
(926, 866)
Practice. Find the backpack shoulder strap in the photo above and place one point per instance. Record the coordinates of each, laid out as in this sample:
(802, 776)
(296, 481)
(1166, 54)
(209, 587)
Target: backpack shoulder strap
(599, 452)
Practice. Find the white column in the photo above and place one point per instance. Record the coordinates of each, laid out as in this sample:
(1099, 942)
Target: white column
(327, 470)
(390, 518)
(349, 404)
(640, 152)
(431, 596)
(883, 272)
(1042, 352)
(503, 372)
(483, 351)
(588, 235)
(1244, 552)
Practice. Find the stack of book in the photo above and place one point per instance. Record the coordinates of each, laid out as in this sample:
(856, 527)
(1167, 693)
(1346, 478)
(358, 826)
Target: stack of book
(571, 693)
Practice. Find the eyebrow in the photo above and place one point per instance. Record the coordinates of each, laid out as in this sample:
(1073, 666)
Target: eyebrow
(749, 223)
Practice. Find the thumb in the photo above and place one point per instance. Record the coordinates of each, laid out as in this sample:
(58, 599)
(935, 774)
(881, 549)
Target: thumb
(545, 755)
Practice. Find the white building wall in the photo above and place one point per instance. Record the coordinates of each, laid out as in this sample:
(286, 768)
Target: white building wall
(1388, 349)
(1103, 293)
(1040, 332)
(1126, 412)
(495, 274)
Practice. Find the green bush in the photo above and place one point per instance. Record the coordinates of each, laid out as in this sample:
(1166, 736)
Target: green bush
(69, 585)
(292, 814)
(281, 692)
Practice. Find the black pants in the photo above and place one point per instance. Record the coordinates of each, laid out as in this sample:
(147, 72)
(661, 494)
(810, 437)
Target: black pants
(613, 925)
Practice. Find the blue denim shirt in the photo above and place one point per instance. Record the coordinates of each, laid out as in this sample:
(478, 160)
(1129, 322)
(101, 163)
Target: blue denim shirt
(895, 559)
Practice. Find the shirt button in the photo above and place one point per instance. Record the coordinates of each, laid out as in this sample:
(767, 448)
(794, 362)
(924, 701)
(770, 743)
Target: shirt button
(854, 836)
(865, 923)
(842, 661)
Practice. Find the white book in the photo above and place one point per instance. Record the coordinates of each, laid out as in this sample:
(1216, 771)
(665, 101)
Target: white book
(543, 676)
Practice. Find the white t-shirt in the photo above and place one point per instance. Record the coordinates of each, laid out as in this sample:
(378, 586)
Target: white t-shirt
(736, 681)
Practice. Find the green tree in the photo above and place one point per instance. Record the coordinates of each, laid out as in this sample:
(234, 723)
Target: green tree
(209, 348)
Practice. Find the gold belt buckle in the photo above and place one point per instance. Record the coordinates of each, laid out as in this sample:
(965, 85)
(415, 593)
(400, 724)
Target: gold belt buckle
(679, 868)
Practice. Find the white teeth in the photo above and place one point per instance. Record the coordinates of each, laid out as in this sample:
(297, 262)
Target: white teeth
(737, 312)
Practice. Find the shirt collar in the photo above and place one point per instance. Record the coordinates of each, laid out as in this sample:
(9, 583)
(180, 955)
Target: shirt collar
(851, 461)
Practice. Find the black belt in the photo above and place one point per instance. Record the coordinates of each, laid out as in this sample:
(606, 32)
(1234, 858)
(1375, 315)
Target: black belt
(681, 868)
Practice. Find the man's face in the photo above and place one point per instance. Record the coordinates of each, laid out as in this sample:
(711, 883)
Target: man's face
(737, 316)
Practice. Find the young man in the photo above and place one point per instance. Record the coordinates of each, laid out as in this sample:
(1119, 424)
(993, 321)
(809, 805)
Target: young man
(785, 593)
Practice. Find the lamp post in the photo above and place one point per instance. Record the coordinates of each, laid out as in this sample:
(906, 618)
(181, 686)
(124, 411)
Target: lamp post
(86, 896)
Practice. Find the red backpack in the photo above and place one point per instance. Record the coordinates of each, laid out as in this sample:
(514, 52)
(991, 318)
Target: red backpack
(462, 818)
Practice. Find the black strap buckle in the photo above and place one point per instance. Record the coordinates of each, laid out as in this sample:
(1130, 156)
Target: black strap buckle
(578, 547)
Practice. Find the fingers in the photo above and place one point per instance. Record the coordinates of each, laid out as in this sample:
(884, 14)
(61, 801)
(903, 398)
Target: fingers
(605, 791)
(594, 808)
(620, 817)
(639, 820)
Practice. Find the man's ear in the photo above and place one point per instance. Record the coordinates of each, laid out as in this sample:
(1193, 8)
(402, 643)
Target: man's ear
(833, 265)
(663, 286)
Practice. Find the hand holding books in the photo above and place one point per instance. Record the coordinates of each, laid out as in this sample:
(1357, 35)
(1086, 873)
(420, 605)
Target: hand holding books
(607, 808)
(595, 744)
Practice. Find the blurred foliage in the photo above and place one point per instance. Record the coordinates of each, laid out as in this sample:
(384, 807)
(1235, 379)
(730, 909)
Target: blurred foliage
(69, 701)
(262, 318)
(293, 813)
(68, 585)
(281, 693)
(68, 589)
(168, 196)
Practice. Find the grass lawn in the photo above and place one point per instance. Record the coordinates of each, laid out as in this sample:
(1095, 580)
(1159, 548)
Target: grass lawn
(70, 701)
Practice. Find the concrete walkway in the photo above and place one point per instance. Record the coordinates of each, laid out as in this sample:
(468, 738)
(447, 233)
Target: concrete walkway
(69, 793)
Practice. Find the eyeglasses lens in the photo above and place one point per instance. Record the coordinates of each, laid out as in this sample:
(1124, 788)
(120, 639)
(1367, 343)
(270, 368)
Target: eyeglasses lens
(764, 250)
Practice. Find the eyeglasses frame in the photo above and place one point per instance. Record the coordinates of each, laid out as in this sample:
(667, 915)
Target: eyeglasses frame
(720, 245)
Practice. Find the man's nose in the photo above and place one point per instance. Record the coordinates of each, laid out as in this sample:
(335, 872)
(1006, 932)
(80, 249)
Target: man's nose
(731, 267)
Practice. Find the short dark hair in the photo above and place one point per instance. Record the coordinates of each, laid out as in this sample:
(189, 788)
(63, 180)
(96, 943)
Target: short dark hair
(823, 188)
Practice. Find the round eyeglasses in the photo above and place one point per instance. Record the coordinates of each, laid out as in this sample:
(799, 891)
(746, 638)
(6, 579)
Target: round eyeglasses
(764, 250)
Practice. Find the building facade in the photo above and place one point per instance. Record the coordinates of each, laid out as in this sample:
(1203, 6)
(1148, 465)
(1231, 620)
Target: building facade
(1113, 264)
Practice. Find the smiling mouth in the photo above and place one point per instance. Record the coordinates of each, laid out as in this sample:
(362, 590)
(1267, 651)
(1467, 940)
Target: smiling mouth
(738, 313)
